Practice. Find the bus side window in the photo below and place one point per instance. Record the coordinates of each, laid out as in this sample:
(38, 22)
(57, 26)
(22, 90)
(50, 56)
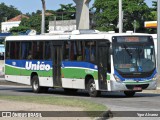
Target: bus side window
(26, 48)
(47, 51)
(38, 50)
(79, 51)
(90, 51)
(76, 51)
(66, 51)
(7, 50)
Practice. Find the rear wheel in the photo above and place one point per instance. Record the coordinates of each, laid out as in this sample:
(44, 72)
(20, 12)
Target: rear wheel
(91, 88)
(36, 87)
(129, 93)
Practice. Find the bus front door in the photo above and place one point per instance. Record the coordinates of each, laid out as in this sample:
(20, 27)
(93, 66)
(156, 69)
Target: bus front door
(103, 58)
(57, 61)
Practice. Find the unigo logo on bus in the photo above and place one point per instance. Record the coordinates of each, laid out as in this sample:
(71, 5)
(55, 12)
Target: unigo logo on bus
(38, 66)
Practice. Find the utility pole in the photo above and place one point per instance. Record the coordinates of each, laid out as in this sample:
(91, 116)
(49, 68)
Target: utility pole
(120, 17)
(43, 16)
(158, 37)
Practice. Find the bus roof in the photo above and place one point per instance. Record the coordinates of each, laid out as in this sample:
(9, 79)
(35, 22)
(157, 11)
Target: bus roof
(70, 36)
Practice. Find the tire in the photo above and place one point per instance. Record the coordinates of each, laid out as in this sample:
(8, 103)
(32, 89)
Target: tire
(35, 85)
(129, 93)
(91, 88)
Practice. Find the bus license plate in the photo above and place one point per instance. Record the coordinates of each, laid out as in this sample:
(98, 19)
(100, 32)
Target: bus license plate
(137, 88)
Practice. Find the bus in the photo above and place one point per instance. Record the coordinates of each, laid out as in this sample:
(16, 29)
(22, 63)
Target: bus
(88, 60)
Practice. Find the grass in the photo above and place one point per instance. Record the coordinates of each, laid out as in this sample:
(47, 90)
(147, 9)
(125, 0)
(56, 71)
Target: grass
(86, 105)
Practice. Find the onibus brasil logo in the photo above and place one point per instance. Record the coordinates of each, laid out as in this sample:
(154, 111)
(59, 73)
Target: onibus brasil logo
(38, 66)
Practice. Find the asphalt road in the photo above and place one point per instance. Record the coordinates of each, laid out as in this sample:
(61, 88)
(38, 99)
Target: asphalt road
(115, 101)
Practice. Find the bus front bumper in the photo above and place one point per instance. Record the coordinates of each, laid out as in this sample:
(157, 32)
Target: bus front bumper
(121, 86)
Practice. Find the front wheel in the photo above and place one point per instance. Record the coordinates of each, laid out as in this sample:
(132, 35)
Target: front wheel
(91, 88)
(129, 93)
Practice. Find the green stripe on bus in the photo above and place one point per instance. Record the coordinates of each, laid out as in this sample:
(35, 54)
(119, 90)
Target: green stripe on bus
(23, 72)
(76, 73)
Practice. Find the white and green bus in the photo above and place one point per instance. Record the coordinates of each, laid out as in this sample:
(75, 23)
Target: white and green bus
(88, 60)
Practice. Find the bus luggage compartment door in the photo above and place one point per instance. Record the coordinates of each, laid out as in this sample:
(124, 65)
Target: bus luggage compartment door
(103, 59)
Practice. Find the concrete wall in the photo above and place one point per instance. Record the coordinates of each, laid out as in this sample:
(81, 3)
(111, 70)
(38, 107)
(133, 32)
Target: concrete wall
(62, 25)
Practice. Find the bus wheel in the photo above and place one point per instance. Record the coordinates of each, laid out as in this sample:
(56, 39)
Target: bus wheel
(129, 93)
(35, 85)
(91, 88)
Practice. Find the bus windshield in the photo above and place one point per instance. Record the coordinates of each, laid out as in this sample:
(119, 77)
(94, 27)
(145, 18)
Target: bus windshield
(134, 57)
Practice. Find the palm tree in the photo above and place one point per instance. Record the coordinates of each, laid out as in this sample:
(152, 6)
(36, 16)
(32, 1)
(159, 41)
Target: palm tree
(43, 16)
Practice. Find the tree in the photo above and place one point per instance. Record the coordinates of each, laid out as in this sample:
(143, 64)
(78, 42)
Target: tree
(35, 20)
(135, 10)
(154, 4)
(66, 12)
(106, 14)
(8, 12)
(19, 30)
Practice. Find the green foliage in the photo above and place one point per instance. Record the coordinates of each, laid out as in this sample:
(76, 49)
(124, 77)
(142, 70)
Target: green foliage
(135, 10)
(34, 22)
(20, 29)
(154, 4)
(8, 12)
(106, 14)
(66, 12)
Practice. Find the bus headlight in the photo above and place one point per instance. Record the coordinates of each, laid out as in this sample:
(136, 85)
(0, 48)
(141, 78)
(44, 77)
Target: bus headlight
(154, 77)
(116, 78)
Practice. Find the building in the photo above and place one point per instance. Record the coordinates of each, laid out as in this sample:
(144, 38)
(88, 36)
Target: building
(14, 22)
(68, 25)
(62, 25)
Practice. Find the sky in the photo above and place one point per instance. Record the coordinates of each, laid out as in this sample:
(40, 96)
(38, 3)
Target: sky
(26, 6)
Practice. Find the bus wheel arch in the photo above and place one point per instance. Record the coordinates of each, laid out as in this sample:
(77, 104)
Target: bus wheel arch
(32, 75)
(90, 86)
(87, 78)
